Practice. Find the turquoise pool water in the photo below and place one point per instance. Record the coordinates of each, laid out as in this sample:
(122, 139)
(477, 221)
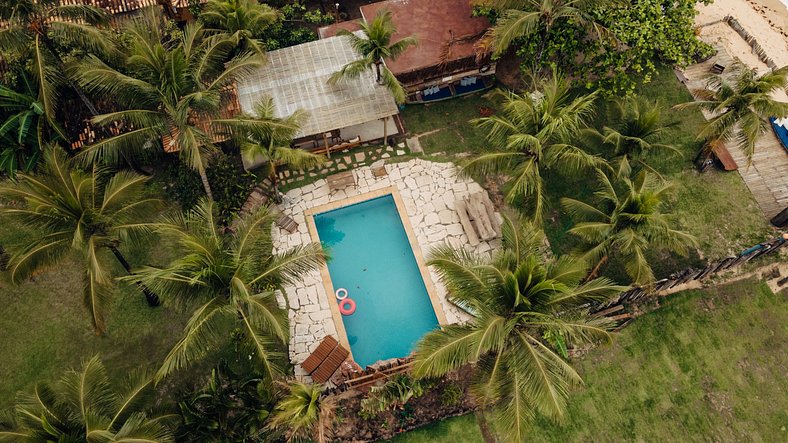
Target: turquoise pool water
(372, 258)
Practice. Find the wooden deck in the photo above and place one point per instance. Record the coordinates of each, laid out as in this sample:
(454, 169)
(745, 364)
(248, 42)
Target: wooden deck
(767, 176)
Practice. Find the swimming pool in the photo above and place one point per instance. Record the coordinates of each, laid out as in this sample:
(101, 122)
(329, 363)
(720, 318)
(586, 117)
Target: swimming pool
(372, 258)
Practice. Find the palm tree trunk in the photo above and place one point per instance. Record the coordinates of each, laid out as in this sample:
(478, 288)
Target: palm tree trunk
(378, 74)
(484, 426)
(150, 296)
(542, 45)
(595, 272)
(275, 183)
(205, 184)
(385, 131)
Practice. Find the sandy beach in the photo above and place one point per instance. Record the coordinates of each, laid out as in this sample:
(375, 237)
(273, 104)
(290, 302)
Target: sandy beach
(767, 20)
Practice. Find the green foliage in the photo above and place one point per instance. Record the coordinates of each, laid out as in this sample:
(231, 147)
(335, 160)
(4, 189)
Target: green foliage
(395, 394)
(231, 185)
(83, 405)
(289, 30)
(452, 394)
(230, 407)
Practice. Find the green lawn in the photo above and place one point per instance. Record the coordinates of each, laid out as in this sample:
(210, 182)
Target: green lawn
(709, 365)
(446, 125)
(45, 329)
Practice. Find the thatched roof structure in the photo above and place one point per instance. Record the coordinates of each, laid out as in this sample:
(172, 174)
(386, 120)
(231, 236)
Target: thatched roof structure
(297, 78)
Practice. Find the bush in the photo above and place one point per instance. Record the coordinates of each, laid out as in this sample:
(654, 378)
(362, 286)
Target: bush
(231, 185)
(451, 395)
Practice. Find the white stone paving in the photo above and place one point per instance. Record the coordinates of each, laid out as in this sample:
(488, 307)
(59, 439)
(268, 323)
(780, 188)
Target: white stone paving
(428, 190)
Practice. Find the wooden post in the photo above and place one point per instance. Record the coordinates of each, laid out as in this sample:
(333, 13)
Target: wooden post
(385, 131)
(325, 142)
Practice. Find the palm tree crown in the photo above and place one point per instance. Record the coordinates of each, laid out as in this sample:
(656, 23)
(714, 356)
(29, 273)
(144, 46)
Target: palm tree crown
(636, 126)
(232, 279)
(304, 414)
(741, 105)
(628, 223)
(269, 142)
(534, 132)
(75, 211)
(375, 47)
(35, 28)
(82, 406)
(173, 95)
(245, 21)
(525, 310)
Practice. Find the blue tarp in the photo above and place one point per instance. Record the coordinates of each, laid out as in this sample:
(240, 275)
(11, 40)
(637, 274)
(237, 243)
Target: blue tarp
(478, 86)
(780, 131)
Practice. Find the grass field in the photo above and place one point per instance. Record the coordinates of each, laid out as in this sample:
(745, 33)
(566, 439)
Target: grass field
(708, 363)
(707, 366)
(45, 329)
(716, 206)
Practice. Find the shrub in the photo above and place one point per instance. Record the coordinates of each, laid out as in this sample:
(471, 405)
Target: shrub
(452, 394)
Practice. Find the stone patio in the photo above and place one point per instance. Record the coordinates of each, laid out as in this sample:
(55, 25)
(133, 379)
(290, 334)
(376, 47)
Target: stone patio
(429, 191)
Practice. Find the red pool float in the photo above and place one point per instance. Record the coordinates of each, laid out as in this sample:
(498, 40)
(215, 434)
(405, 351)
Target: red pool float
(347, 306)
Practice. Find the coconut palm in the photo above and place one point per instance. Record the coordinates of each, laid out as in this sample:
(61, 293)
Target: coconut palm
(173, 96)
(375, 47)
(536, 18)
(525, 310)
(73, 211)
(25, 129)
(232, 279)
(245, 21)
(534, 132)
(304, 414)
(84, 406)
(741, 104)
(636, 126)
(269, 142)
(35, 29)
(628, 223)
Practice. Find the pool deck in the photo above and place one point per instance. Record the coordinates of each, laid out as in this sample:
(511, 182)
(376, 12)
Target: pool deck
(425, 190)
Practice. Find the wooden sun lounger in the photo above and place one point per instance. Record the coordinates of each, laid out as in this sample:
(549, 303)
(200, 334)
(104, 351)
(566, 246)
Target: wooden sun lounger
(477, 217)
(470, 232)
(330, 365)
(341, 180)
(287, 223)
(322, 352)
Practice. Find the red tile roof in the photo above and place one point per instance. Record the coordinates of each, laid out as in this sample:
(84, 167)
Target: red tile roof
(440, 25)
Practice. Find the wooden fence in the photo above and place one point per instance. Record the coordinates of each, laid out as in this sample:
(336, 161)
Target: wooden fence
(690, 274)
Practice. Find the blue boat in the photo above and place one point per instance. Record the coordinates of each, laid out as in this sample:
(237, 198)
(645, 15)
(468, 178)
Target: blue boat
(781, 131)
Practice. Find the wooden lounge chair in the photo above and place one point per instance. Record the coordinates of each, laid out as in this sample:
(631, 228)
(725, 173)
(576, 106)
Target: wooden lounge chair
(287, 223)
(717, 68)
(341, 180)
(330, 365)
(321, 353)
(477, 217)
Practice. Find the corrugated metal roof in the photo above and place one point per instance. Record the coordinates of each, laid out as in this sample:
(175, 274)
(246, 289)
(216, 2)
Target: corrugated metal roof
(297, 78)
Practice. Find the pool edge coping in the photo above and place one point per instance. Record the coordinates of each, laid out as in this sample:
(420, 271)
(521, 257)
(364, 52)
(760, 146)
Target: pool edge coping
(309, 215)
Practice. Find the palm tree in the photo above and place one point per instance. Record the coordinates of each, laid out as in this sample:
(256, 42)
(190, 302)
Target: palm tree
(375, 47)
(173, 96)
(70, 210)
(26, 129)
(525, 310)
(232, 278)
(741, 104)
(35, 29)
(83, 406)
(245, 21)
(536, 18)
(627, 223)
(270, 141)
(534, 132)
(304, 414)
(636, 126)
